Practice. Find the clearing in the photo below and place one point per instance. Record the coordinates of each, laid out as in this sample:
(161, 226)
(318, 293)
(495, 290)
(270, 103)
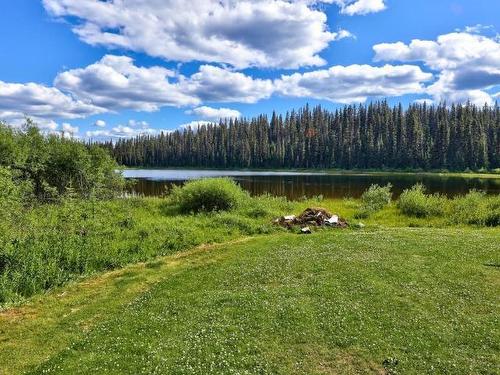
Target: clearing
(393, 300)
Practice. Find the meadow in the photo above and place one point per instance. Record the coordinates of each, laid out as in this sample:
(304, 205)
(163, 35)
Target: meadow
(379, 300)
(203, 281)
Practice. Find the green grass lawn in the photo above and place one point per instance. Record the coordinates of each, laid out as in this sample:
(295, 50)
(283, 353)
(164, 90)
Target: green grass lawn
(379, 300)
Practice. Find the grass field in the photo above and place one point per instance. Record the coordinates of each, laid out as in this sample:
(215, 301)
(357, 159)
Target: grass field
(50, 245)
(377, 300)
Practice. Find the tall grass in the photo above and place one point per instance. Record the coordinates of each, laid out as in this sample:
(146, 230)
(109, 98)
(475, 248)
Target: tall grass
(474, 208)
(415, 202)
(48, 245)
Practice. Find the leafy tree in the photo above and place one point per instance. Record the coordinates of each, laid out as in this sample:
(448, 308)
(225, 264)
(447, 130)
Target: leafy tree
(55, 166)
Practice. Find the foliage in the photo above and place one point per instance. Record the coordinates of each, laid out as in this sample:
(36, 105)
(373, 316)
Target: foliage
(476, 208)
(374, 199)
(376, 136)
(10, 194)
(48, 245)
(56, 167)
(206, 195)
(414, 202)
(44, 246)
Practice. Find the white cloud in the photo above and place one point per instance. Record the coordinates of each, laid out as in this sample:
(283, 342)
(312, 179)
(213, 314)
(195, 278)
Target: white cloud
(477, 29)
(354, 83)
(116, 83)
(214, 84)
(424, 101)
(138, 124)
(449, 51)
(69, 130)
(242, 33)
(360, 7)
(468, 64)
(342, 34)
(195, 125)
(42, 103)
(214, 113)
(49, 125)
(133, 129)
(100, 123)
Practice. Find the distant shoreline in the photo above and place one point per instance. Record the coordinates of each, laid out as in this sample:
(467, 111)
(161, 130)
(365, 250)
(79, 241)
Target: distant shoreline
(352, 172)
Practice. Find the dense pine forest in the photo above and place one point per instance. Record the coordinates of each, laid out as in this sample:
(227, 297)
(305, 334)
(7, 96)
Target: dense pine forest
(456, 137)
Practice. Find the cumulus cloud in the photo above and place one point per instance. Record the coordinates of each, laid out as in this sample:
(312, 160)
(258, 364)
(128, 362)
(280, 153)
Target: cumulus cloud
(132, 129)
(214, 84)
(354, 83)
(69, 130)
(138, 124)
(41, 103)
(214, 113)
(242, 33)
(467, 64)
(115, 83)
(360, 7)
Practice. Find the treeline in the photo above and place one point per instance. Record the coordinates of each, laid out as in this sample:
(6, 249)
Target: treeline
(456, 137)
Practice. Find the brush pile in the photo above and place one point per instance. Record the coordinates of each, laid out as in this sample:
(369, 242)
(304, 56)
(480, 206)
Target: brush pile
(315, 216)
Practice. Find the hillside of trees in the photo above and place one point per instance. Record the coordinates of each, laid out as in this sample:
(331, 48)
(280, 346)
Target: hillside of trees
(456, 137)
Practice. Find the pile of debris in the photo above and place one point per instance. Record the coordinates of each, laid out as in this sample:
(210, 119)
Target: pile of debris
(317, 217)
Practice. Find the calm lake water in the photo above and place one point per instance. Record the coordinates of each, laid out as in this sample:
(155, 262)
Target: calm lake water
(295, 185)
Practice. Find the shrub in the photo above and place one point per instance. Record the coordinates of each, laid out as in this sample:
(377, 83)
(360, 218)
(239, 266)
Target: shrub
(56, 167)
(377, 197)
(468, 209)
(12, 193)
(205, 195)
(374, 199)
(414, 202)
(492, 218)
(476, 208)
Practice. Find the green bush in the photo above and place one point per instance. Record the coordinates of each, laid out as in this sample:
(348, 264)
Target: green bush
(377, 197)
(414, 202)
(492, 218)
(476, 208)
(211, 194)
(374, 199)
(468, 209)
(8, 189)
(56, 167)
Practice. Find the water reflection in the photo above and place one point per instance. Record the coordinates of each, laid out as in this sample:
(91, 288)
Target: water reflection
(295, 185)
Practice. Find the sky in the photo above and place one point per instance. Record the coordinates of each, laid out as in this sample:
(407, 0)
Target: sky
(101, 69)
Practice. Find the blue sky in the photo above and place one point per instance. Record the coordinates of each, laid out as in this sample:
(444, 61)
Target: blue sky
(136, 67)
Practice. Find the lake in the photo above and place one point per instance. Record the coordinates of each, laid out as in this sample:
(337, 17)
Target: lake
(295, 185)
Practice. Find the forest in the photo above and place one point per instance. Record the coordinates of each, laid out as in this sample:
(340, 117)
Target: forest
(375, 136)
